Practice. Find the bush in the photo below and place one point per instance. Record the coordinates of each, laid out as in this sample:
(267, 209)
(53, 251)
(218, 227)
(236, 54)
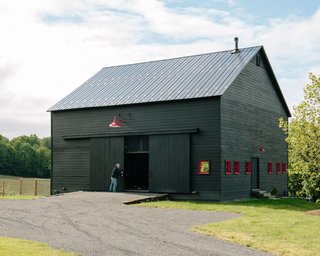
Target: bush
(274, 191)
(294, 183)
(311, 185)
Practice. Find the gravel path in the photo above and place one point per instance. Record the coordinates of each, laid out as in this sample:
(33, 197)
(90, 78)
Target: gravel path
(93, 223)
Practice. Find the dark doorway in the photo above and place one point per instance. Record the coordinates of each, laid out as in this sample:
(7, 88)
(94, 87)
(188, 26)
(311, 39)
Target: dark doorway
(255, 174)
(136, 176)
(136, 163)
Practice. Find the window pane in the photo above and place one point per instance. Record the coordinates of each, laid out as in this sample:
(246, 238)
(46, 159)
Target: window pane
(145, 143)
(132, 143)
(136, 143)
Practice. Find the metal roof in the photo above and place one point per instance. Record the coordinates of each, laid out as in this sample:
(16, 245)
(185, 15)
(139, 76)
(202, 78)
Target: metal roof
(189, 77)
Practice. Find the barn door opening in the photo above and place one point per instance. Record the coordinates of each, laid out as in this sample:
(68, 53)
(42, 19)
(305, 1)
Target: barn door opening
(255, 173)
(136, 171)
(136, 159)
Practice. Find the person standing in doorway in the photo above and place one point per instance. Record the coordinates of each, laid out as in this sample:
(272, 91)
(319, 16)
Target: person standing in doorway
(114, 177)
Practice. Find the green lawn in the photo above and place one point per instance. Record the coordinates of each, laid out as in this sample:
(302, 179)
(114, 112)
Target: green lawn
(277, 226)
(14, 247)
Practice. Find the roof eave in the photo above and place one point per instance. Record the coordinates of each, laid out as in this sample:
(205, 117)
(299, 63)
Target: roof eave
(273, 76)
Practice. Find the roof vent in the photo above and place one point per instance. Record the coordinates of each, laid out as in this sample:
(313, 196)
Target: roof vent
(236, 49)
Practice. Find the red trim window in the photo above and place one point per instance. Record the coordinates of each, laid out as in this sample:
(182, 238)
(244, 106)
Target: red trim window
(248, 167)
(284, 167)
(228, 167)
(236, 167)
(270, 168)
(278, 168)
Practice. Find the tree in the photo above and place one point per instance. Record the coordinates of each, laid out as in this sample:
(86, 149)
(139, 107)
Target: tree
(26, 156)
(304, 143)
(6, 156)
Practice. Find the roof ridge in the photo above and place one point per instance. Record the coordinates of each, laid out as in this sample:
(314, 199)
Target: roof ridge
(180, 57)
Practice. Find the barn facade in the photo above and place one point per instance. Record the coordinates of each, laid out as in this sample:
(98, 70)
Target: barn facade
(201, 127)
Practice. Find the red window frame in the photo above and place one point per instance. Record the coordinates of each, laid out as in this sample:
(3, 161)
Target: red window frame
(248, 167)
(236, 167)
(269, 168)
(228, 167)
(278, 168)
(284, 167)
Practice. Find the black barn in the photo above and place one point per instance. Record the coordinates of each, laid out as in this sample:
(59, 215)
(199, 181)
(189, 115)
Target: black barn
(202, 127)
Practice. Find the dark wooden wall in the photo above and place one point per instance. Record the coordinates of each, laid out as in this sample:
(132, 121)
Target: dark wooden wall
(71, 165)
(250, 112)
(71, 143)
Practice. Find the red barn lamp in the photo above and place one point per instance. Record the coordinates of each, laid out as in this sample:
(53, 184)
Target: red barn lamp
(115, 123)
(118, 121)
(262, 149)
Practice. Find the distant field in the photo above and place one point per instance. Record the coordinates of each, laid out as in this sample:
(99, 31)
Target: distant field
(10, 177)
(12, 185)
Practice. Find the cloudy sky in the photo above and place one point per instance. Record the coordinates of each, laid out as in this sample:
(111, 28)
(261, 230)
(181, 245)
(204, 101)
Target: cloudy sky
(48, 48)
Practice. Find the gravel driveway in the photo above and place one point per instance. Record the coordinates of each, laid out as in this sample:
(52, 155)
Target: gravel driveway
(93, 223)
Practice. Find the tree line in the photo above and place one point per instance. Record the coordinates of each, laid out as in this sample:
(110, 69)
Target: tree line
(27, 156)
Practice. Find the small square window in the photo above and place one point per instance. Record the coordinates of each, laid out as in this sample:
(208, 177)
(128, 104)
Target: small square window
(269, 168)
(236, 167)
(258, 60)
(204, 167)
(228, 167)
(248, 167)
(136, 144)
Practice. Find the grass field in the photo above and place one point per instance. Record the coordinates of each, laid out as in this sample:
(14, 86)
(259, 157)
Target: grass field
(277, 226)
(12, 185)
(19, 247)
(19, 197)
(10, 177)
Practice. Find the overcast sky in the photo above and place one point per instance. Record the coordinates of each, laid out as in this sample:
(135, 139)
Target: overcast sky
(49, 48)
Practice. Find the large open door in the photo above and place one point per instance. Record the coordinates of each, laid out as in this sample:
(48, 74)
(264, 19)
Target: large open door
(104, 153)
(169, 161)
(136, 171)
(136, 175)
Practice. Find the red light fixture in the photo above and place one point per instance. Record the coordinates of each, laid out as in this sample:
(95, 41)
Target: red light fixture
(262, 149)
(115, 123)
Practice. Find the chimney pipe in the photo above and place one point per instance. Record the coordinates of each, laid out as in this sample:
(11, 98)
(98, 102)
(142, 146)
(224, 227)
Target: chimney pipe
(236, 49)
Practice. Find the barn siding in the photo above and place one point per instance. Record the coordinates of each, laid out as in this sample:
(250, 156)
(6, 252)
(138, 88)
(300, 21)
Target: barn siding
(150, 118)
(250, 112)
